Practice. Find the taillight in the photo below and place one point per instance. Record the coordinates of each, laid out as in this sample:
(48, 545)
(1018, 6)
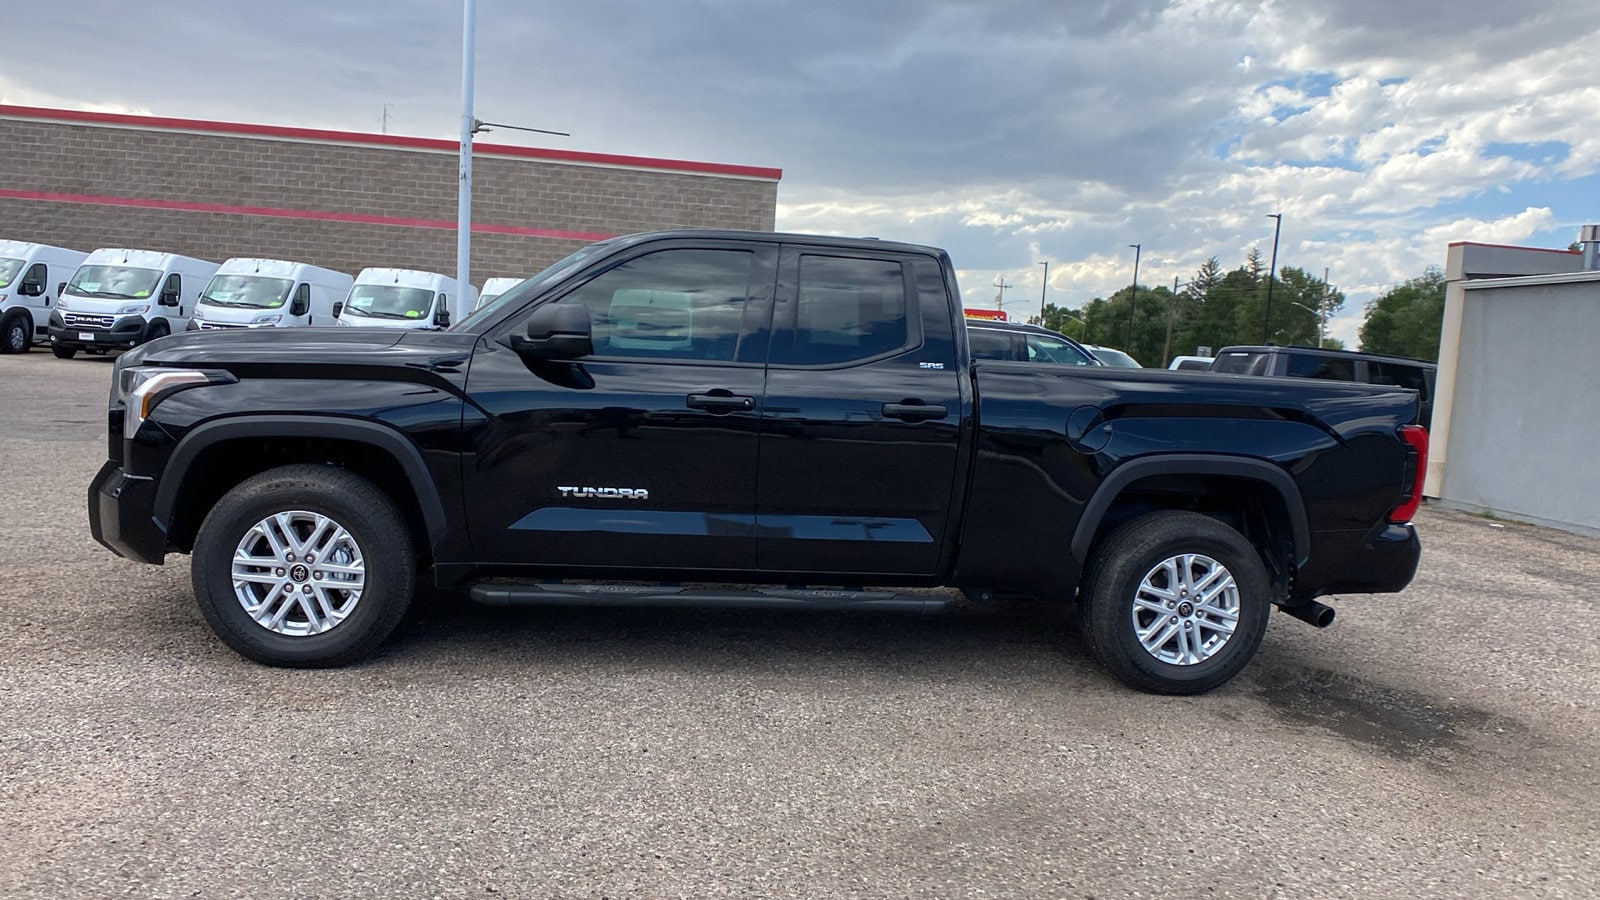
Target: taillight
(1416, 440)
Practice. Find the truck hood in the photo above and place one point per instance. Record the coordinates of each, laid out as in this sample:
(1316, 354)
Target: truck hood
(306, 346)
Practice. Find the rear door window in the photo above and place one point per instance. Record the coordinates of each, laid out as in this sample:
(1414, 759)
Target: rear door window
(987, 344)
(1043, 348)
(1241, 363)
(1400, 375)
(1332, 368)
(849, 309)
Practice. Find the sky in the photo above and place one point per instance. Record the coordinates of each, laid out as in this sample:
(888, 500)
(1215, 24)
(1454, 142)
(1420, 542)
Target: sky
(1010, 132)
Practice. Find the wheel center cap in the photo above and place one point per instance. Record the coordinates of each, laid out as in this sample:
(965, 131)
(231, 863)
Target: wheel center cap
(1185, 608)
(300, 573)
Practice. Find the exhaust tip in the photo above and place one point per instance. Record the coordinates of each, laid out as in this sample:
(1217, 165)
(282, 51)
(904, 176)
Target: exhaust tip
(1311, 612)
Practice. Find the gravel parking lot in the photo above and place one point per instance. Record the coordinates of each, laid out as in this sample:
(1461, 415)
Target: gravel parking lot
(1441, 742)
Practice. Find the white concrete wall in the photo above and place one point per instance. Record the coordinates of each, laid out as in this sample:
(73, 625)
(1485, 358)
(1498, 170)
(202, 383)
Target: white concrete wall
(1523, 419)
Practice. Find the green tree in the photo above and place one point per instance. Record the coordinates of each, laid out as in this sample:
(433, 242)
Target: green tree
(1406, 320)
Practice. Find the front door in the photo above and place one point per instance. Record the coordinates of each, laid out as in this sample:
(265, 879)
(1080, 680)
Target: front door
(859, 444)
(642, 455)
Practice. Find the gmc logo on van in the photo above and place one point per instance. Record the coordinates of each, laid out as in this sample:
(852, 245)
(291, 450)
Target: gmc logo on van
(605, 493)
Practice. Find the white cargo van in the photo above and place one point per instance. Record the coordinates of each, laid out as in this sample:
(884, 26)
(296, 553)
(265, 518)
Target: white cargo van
(269, 293)
(494, 287)
(122, 298)
(406, 298)
(31, 276)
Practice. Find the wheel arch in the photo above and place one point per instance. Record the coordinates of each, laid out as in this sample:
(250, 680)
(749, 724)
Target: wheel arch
(1211, 471)
(201, 468)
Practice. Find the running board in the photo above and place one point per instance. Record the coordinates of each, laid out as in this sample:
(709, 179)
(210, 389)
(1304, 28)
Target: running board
(557, 594)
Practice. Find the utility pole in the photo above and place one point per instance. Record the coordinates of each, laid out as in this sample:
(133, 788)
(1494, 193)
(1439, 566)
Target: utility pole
(1133, 298)
(1000, 295)
(1042, 288)
(1322, 307)
(1272, 275)
(1172, 305)
(468, 126)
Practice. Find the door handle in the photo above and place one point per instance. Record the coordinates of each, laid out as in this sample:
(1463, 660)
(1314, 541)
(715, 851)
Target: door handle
(720, 401)
(914, 411)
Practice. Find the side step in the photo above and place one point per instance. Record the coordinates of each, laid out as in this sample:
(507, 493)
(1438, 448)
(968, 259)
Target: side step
(559, 594)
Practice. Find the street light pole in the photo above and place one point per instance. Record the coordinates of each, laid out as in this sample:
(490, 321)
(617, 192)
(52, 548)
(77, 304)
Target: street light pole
(1272, 275)
(1133, 298)
(1042, 288)
(468, 125)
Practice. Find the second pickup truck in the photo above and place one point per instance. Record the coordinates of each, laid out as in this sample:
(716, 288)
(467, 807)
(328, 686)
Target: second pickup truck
(796, 417)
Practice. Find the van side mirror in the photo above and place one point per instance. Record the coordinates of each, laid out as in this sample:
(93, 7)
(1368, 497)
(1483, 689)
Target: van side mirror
(169, 298)
(442, 318)
(338, 308)
(301, 304)
(31, 289)
(556, 331)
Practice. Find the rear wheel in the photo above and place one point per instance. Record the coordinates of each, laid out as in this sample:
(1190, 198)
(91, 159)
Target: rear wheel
(304, 566)
(63, 352)
(1176, 603)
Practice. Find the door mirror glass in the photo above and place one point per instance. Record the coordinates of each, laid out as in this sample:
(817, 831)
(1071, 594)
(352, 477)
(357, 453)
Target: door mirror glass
(30, 289)
(556, 331)
(169, 294)
(441, 311)
(338, 308)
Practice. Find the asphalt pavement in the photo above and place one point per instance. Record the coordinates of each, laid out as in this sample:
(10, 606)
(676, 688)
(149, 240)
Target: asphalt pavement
(1437, 743)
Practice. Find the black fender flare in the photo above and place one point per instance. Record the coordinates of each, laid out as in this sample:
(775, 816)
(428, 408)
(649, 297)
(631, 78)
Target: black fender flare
(1247, 468)
(379, 436)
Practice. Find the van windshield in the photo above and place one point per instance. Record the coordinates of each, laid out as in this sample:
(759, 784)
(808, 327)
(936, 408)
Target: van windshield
(8, 270)
(388, 301)
(249, 291)
(560, 269)
(128, 282)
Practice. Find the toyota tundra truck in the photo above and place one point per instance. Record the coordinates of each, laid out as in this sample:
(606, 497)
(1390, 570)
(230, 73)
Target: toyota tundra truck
(752, 420)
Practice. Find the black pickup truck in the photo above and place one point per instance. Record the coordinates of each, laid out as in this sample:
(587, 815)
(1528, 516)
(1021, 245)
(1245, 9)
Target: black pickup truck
(795, 417)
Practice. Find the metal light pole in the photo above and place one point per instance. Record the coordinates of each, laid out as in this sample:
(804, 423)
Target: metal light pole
(468, 125)
(1042, 288)
(1134, 297)
(1272, 275)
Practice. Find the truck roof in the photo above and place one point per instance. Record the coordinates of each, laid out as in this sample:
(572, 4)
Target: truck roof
(861, 243)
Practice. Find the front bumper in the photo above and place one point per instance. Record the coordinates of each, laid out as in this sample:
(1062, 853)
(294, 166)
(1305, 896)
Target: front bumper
(123, 333)
(122, 515)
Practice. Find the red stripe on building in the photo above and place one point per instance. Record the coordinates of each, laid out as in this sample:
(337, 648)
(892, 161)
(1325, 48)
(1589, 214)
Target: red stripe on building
(386, 140)
(305, 214)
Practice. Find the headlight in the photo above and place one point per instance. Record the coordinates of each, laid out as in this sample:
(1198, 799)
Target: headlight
(198, 317)
(61, 302)
(134, 309)
(267, 319)
(140, 389)
(342, 323)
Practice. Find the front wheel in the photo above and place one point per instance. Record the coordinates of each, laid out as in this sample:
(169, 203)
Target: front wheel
(63, 352)
(1176, 603)
(304, 566)
(16, 334)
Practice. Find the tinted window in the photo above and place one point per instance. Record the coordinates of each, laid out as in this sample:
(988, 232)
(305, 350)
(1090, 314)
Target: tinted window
(1244, 363)
(849, 309)
(1043, 348)
(1304, 365)
(174, 285)
(1399, 374)
(675, 304)
(987, 344)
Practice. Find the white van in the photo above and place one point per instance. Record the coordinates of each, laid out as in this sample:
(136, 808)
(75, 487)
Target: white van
(31, 275)
(405, 298)
(269, 293)
(122, 298)
(494, 287)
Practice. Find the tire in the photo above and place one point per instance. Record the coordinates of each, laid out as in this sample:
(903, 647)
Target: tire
(158, 329)
(16, 333)
(1125, 595)
(62, 352)
(322, 624)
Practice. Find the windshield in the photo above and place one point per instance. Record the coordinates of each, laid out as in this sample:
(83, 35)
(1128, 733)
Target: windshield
(526, 289)
(388, 301)
(8, 270)
(249, 291)
(126, 282)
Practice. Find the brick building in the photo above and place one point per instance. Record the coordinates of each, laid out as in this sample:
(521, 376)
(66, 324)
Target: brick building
(343, 200)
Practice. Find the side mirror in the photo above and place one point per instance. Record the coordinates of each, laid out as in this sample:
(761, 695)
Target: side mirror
(556, 331)
(338, 308)
(300, 306)
(441, 318)
(31, 289)
(169, 298)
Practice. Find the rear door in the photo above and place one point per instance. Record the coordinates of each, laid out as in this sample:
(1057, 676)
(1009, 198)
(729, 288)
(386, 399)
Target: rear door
(860, 431)
(642, 455)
